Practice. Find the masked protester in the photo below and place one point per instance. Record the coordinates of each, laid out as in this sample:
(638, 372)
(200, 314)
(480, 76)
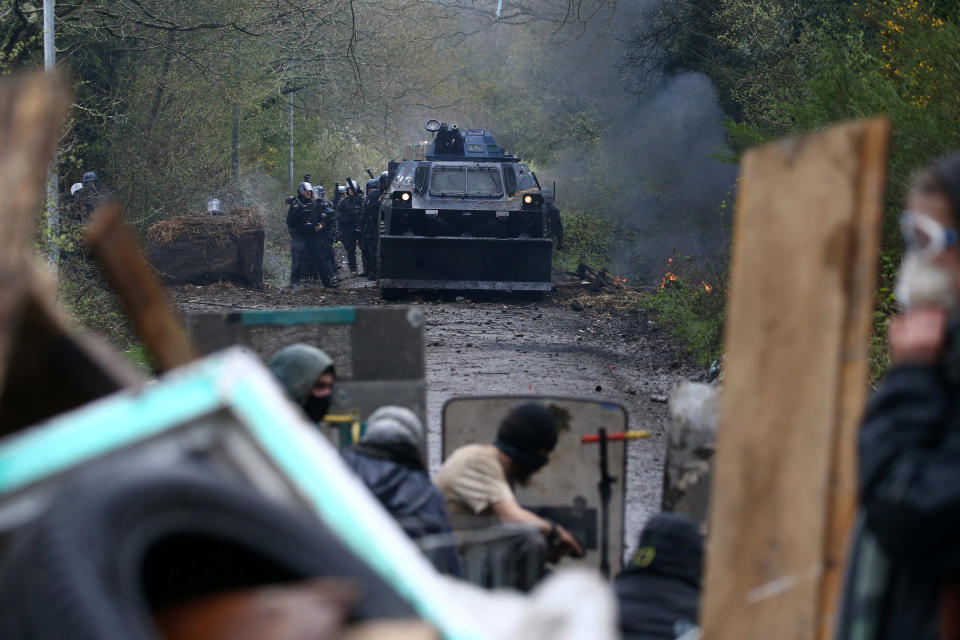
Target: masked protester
(307, 374)
(904, 577)
(478, 480)
(391, 461)
(658, 593)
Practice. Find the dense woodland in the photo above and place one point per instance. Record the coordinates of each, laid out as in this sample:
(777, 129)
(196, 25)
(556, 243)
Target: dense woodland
(638, 110)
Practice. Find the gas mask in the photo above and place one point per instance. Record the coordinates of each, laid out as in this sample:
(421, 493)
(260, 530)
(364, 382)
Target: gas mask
(920, 281)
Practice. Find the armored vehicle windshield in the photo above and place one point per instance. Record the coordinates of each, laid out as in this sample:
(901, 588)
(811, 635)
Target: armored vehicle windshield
(465, 181)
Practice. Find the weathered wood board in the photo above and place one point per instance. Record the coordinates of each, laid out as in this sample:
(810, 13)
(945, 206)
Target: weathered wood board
(32, 107)
(45, 367)
(798, 320)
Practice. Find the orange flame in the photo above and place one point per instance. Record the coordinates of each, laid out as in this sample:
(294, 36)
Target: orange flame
(667, 278)
(707, 287)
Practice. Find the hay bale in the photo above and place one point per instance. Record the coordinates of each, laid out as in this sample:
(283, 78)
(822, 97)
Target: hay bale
(202, 249)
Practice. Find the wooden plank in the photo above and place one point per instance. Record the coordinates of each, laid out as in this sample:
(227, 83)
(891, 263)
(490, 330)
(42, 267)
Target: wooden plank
(861, 289)
(116, 249)
(46, 354)
(32, 107)
(802, 278)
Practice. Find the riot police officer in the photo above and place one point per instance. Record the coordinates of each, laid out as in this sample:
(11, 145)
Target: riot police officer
(214, 207)
(349, 212)
(369, 226)
(305, 227)
(328, 237)
(88, 198)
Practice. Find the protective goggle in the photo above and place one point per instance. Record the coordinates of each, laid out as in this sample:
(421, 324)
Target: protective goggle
(925, 236)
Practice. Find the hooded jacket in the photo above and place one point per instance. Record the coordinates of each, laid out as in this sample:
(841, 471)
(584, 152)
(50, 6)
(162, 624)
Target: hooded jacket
(659, 592)
(390, 461)
(297, 368)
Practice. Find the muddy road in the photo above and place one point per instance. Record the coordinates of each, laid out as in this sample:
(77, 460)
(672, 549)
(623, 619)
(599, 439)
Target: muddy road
(573, 343)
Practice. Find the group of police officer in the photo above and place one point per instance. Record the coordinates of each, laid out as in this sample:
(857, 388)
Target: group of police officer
(85, 197)
(315, 223)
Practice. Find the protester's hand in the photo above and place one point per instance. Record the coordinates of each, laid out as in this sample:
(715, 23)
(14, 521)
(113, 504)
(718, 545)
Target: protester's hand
(917, 337)
(568, 543)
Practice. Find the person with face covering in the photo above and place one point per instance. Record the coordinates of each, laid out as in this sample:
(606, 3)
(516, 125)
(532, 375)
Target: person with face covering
(658, 593)
(904, 573)
(478, 479)
(307, 375)
(391, 461)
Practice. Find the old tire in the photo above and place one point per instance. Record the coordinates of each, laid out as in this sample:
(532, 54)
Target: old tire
(121, 541)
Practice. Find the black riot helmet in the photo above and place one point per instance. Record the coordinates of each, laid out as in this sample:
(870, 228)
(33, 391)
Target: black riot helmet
(527, 435)
(371, 185)
(305, 188)
(341, 191)
(384, 180)
(89, 179)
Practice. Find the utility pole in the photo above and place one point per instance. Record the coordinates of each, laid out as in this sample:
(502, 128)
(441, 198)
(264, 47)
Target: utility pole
(290, 117)
(49, 65)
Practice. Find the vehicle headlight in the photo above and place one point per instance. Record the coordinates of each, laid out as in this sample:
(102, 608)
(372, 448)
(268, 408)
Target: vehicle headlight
(531, 201)
(402, 199)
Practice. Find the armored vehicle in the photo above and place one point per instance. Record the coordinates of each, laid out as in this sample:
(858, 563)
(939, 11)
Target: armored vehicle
(467, 217)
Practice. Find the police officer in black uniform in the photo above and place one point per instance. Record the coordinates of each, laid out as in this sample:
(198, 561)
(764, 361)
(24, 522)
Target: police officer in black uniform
(88, 198)
(328, 217)
(305, 227)
(369, 227)
(349, 213)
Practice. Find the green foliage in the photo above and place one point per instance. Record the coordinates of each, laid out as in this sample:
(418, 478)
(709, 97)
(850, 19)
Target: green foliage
(90, 304)
(138, 356)
(691, 314)
(785, 68)
(586, 239)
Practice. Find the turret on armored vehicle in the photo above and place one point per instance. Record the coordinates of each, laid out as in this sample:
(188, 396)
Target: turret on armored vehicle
(467, 217)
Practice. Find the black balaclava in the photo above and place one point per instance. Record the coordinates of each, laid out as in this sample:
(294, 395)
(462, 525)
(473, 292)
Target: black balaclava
(296, 368)
(316, 408)
(525, 434)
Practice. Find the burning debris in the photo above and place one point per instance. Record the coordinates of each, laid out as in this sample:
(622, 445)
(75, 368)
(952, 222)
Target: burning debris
(672, 278)
(597, 279)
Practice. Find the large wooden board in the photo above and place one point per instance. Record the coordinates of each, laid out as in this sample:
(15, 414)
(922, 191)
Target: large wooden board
(32, 107)
(798, 320)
